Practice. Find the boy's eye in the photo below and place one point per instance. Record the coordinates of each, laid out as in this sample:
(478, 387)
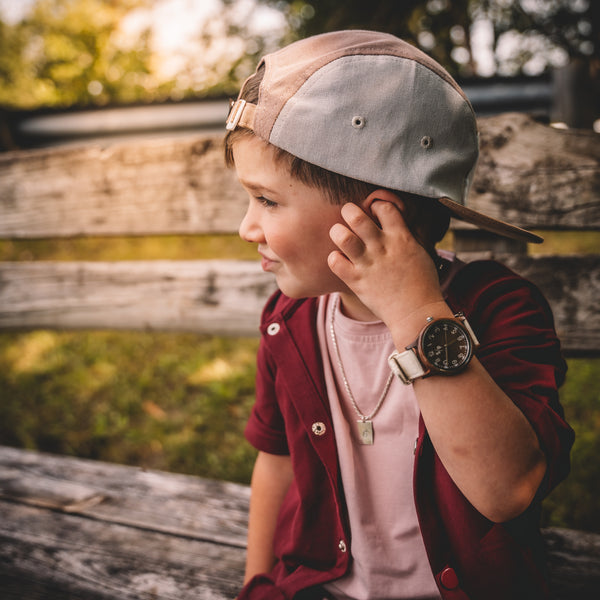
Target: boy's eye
(266, 202)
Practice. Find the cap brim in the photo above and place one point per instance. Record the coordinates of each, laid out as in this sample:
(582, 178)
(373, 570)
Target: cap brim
(490, 224)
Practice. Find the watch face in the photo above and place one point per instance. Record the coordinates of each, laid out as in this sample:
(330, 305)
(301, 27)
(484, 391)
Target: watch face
(446, 346)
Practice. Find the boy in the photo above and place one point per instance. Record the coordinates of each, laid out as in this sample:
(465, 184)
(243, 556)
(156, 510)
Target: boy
(403, 448)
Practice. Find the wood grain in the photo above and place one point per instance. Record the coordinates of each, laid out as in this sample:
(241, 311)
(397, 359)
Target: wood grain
(216, 297)
(177, 185)
(529, 174)
(153, 535)
(147, 534)
(226, 297)
(536, 176)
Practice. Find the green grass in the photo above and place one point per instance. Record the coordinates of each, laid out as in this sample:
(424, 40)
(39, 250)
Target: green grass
(183, 247)
(170, 401)
(574, 503)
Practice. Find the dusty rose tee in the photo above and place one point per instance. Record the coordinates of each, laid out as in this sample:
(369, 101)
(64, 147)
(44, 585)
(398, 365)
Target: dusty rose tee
(389, 559)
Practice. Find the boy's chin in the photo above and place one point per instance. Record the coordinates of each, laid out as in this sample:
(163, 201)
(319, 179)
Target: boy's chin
(296, 294)
(297, 291)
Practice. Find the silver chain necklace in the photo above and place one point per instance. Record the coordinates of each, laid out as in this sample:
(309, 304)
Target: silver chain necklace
(365, 422)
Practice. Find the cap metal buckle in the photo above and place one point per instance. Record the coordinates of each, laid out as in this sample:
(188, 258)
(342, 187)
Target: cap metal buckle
(235, 114)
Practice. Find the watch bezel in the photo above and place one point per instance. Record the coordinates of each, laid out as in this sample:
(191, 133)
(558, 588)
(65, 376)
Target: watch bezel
(431, 367)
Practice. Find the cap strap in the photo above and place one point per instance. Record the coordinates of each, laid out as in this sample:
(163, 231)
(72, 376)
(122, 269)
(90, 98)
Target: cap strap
(241, 114)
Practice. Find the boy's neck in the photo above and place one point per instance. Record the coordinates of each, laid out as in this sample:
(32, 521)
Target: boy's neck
(353, 308)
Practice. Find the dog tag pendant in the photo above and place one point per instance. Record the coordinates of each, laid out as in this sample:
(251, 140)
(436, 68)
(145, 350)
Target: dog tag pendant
(365, 432)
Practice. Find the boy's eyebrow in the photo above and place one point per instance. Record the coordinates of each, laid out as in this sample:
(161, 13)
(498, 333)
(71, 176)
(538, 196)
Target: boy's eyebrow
(250, 185)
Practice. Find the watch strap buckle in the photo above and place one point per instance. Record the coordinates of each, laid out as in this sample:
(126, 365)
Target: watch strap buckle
(406, 366)
(461, 317)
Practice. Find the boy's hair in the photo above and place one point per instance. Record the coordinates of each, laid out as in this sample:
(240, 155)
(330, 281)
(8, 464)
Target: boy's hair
(430, 216)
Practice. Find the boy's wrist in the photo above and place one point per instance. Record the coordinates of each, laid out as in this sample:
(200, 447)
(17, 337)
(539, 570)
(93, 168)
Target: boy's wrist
(444, 346)
(406, 329)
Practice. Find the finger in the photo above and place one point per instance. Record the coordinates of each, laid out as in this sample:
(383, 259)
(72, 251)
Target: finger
(347, 241)
(360, 222)
(394, 222)
(389, 215)
(340, 266)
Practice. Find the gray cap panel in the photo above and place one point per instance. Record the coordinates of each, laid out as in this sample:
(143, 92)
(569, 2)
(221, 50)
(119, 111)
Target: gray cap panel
(386, 120)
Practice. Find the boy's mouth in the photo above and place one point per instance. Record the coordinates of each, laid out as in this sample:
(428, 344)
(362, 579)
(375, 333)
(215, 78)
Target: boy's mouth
(266, 262)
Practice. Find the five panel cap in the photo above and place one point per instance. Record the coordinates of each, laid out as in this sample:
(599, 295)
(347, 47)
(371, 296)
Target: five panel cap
(372, 107)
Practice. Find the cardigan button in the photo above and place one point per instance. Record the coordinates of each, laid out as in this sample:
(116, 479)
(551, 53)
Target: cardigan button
(273, 328)
(449, 579)
(318, 428)
(342, 546)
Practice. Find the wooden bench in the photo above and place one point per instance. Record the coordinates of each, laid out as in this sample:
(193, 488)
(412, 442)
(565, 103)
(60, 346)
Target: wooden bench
(72, 528)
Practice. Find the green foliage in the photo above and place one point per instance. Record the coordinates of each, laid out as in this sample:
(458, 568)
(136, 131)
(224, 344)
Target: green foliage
(443, 28)
(438, 26)
(575, 502)
(75, 52)
(170, 401)
(72, 52)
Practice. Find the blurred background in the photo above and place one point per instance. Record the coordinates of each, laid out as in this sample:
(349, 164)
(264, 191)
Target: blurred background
(90, 71)
(538, 56)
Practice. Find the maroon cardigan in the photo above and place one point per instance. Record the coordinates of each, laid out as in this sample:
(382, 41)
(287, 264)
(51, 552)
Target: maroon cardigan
(471, 557)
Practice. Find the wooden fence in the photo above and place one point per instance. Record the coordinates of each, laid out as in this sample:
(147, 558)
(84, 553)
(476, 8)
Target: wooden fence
(85, 530)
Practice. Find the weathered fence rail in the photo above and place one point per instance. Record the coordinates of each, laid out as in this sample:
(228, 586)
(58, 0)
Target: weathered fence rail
(86, 530)
(73, 529)
(529, 174)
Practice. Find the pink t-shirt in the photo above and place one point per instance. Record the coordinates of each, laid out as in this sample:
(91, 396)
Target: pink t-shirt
(389, 558)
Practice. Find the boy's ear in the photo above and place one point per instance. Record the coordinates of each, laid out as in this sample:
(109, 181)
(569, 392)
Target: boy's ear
(386, 196)
(406, 209)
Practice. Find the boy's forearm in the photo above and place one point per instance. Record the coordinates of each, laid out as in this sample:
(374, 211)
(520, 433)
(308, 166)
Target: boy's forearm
(271, 480)
(484, 441)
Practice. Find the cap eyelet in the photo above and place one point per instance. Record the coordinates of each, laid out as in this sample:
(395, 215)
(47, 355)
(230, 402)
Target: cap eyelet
(426, 142)
(358, 122)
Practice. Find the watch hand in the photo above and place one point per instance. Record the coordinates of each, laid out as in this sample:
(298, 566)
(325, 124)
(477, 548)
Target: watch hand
(446, 344)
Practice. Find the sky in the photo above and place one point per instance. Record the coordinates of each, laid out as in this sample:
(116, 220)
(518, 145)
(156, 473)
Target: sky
(13, 10)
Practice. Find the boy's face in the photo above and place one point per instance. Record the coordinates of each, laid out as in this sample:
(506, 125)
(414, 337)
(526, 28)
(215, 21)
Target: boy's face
(289, 221)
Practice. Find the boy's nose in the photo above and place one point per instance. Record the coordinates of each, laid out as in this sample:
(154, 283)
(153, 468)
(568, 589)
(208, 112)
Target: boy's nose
(250, 230)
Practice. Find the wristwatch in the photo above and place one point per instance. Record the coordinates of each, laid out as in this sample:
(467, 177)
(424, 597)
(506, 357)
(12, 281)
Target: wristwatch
(444, 347)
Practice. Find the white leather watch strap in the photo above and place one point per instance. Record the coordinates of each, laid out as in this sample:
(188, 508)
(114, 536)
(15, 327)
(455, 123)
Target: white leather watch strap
(406, 365)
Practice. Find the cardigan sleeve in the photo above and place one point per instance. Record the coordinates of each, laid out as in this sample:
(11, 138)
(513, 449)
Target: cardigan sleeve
(521, 351)
(265, 429)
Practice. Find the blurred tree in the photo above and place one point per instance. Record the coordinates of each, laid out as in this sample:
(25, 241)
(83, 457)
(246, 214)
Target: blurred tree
(68, 52)
(519, 30)
(518, 37)
(232, 44)
(439, 27)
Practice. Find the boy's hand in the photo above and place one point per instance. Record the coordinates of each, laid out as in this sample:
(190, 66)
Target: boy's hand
(389, 271)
